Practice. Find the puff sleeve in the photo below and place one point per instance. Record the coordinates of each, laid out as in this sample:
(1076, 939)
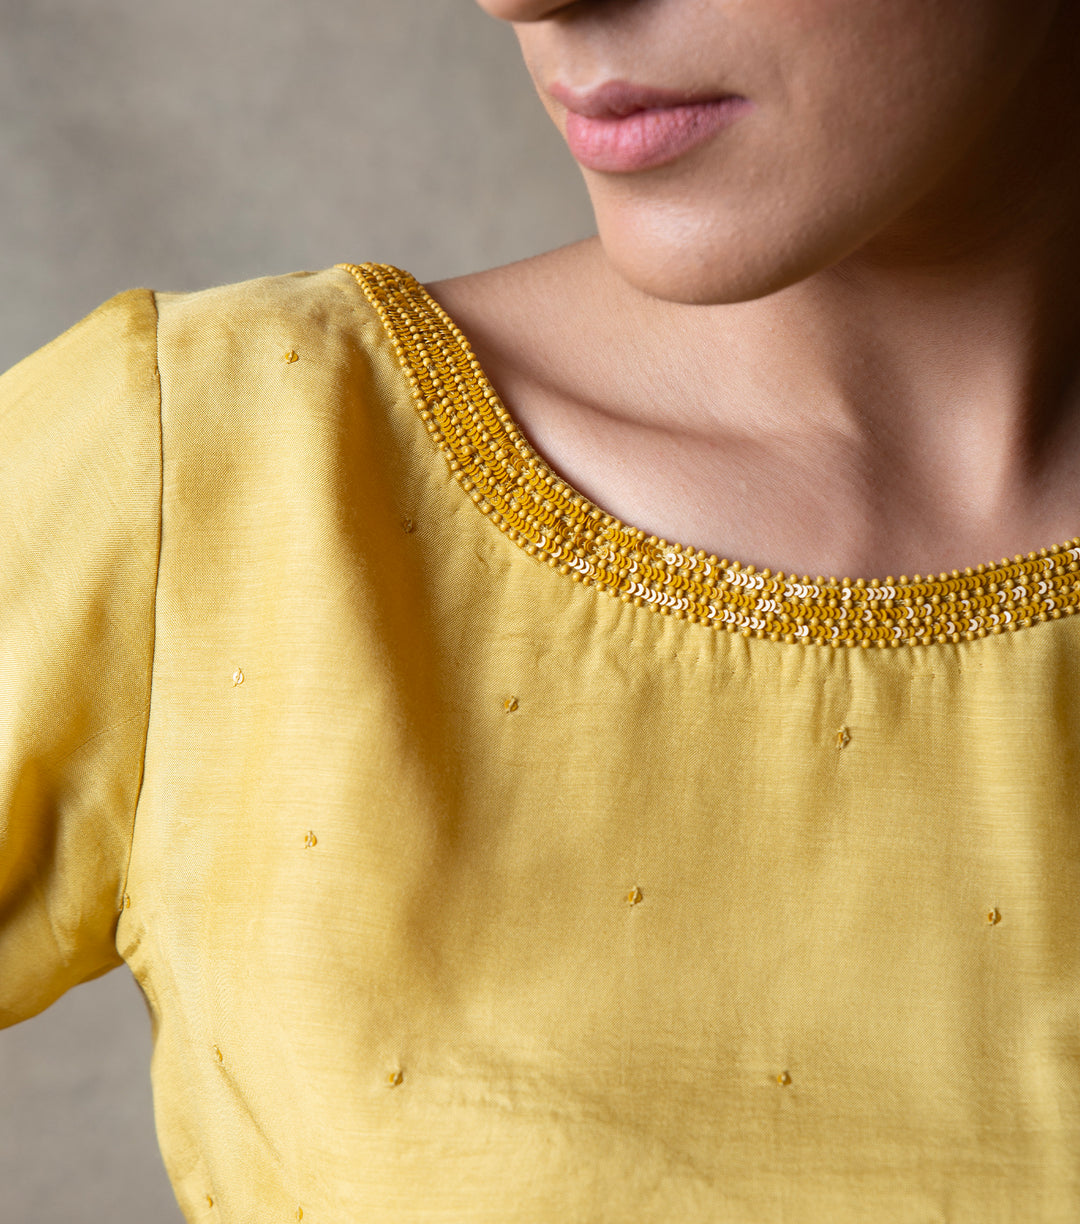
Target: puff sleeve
(80, 511)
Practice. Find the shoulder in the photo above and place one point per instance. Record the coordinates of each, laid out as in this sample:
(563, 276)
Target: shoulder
(285, 349)
(279, 392)
(229, 332)
(193, 352)
(318, 308)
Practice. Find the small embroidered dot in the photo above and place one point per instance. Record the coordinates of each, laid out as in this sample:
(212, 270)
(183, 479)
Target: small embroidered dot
(237, 677)
(127, 901)
(843, 738)
(394, 1078)
(218, 1055)
(408, 526)
(783, 1079)
(635, 896)
(993, 917)
(290, 357)
(510, 704)
(311, 840)
(299, 1213)
(209, 1201)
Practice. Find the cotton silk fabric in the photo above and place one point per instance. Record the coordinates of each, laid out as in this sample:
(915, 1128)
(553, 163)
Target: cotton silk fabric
(461, 891)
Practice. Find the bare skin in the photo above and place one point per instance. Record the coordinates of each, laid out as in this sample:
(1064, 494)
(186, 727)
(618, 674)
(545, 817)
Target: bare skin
(864, 397)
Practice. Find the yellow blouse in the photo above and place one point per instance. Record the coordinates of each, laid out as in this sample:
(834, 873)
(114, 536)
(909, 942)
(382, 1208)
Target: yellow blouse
(484, 858)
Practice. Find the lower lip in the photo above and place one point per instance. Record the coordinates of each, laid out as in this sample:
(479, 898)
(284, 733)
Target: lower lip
(648, 138)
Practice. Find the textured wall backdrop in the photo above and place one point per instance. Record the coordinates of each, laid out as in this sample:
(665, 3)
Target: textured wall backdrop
(177, 145)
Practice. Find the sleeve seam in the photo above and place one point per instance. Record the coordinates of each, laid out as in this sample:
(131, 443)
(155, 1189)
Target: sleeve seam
(154, 598)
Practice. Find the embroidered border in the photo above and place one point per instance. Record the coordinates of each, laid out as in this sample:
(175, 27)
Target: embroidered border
(551, 521)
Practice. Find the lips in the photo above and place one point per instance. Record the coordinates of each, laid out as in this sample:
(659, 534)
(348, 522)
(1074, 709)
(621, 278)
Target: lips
(620, 127)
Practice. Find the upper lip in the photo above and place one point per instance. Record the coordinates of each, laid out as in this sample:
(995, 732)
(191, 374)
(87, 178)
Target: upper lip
(616, 99)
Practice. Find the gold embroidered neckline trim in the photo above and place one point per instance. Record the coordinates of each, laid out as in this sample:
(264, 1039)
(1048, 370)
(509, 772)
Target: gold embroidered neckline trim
(551, 521)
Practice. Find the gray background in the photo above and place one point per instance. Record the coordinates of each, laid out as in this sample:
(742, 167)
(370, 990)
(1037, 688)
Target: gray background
(178, 145)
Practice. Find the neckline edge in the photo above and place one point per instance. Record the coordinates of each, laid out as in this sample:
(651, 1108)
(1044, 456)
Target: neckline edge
(547, 518)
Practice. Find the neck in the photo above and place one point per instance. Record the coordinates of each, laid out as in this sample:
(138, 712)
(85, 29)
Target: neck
(946, 349)
(915, 406)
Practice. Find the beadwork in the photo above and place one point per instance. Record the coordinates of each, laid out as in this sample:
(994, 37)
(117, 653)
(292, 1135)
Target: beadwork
(551, 521)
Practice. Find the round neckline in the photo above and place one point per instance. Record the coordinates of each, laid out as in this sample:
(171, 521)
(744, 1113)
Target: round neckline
(550, 520)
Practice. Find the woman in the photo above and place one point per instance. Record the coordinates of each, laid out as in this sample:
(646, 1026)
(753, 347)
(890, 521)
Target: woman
(484, 855)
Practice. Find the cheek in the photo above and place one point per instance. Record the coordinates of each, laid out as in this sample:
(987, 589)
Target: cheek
(872, 83)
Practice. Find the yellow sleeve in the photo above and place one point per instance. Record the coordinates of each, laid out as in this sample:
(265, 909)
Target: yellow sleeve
(80, 501)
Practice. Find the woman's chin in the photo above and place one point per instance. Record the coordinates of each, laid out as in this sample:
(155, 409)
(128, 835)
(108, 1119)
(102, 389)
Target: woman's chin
(727, 272)
(717, 261)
